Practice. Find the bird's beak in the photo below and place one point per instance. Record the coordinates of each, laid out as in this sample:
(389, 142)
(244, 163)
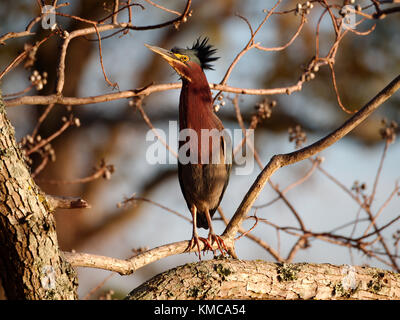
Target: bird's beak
(172, 60)
(166, 54)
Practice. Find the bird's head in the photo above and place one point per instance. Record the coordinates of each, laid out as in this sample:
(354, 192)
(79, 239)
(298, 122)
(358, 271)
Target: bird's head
(188, 62)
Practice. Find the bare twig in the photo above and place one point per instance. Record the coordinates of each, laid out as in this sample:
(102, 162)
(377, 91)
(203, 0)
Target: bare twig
(73, 101)
(14, 35)
(43, 142)
(378, 174)
(23, 55)
(154, 130)
(55, 202)
(162, 8)
(135, 198)
(104, 171)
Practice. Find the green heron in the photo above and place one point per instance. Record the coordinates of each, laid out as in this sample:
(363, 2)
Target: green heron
(203, 182)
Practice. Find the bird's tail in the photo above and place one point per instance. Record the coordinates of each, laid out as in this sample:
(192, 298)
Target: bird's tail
(201, 220)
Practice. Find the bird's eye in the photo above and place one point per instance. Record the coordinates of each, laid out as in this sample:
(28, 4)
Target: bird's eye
(182, 57)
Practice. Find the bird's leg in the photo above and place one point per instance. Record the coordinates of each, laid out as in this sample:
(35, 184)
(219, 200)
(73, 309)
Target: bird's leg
(195, 238)
(213, 237)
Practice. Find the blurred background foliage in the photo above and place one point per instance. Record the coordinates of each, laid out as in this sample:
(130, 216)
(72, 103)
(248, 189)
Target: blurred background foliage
(116, 132)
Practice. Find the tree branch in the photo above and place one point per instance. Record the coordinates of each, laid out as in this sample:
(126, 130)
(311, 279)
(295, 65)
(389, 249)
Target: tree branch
(73, 101)
(128, 266)
(282, 160)
(55, 202)
(236, 279)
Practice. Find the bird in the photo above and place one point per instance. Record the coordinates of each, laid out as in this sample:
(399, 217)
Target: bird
(203, 179)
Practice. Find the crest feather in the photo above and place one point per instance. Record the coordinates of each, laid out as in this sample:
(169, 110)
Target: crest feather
(204, 52)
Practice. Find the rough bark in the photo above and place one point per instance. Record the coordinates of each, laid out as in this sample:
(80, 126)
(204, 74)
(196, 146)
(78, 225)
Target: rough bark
(31, 264)
(236, 279)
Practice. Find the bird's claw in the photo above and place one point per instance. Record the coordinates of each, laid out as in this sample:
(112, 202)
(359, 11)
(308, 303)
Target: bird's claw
(208, 244)
(195, 242)
(212, 237)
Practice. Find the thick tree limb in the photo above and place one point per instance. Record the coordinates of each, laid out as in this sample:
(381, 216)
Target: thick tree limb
(236, 279)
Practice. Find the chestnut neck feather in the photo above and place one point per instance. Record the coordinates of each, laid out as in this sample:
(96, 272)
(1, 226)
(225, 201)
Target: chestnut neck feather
(195, 106)
(196, 111)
